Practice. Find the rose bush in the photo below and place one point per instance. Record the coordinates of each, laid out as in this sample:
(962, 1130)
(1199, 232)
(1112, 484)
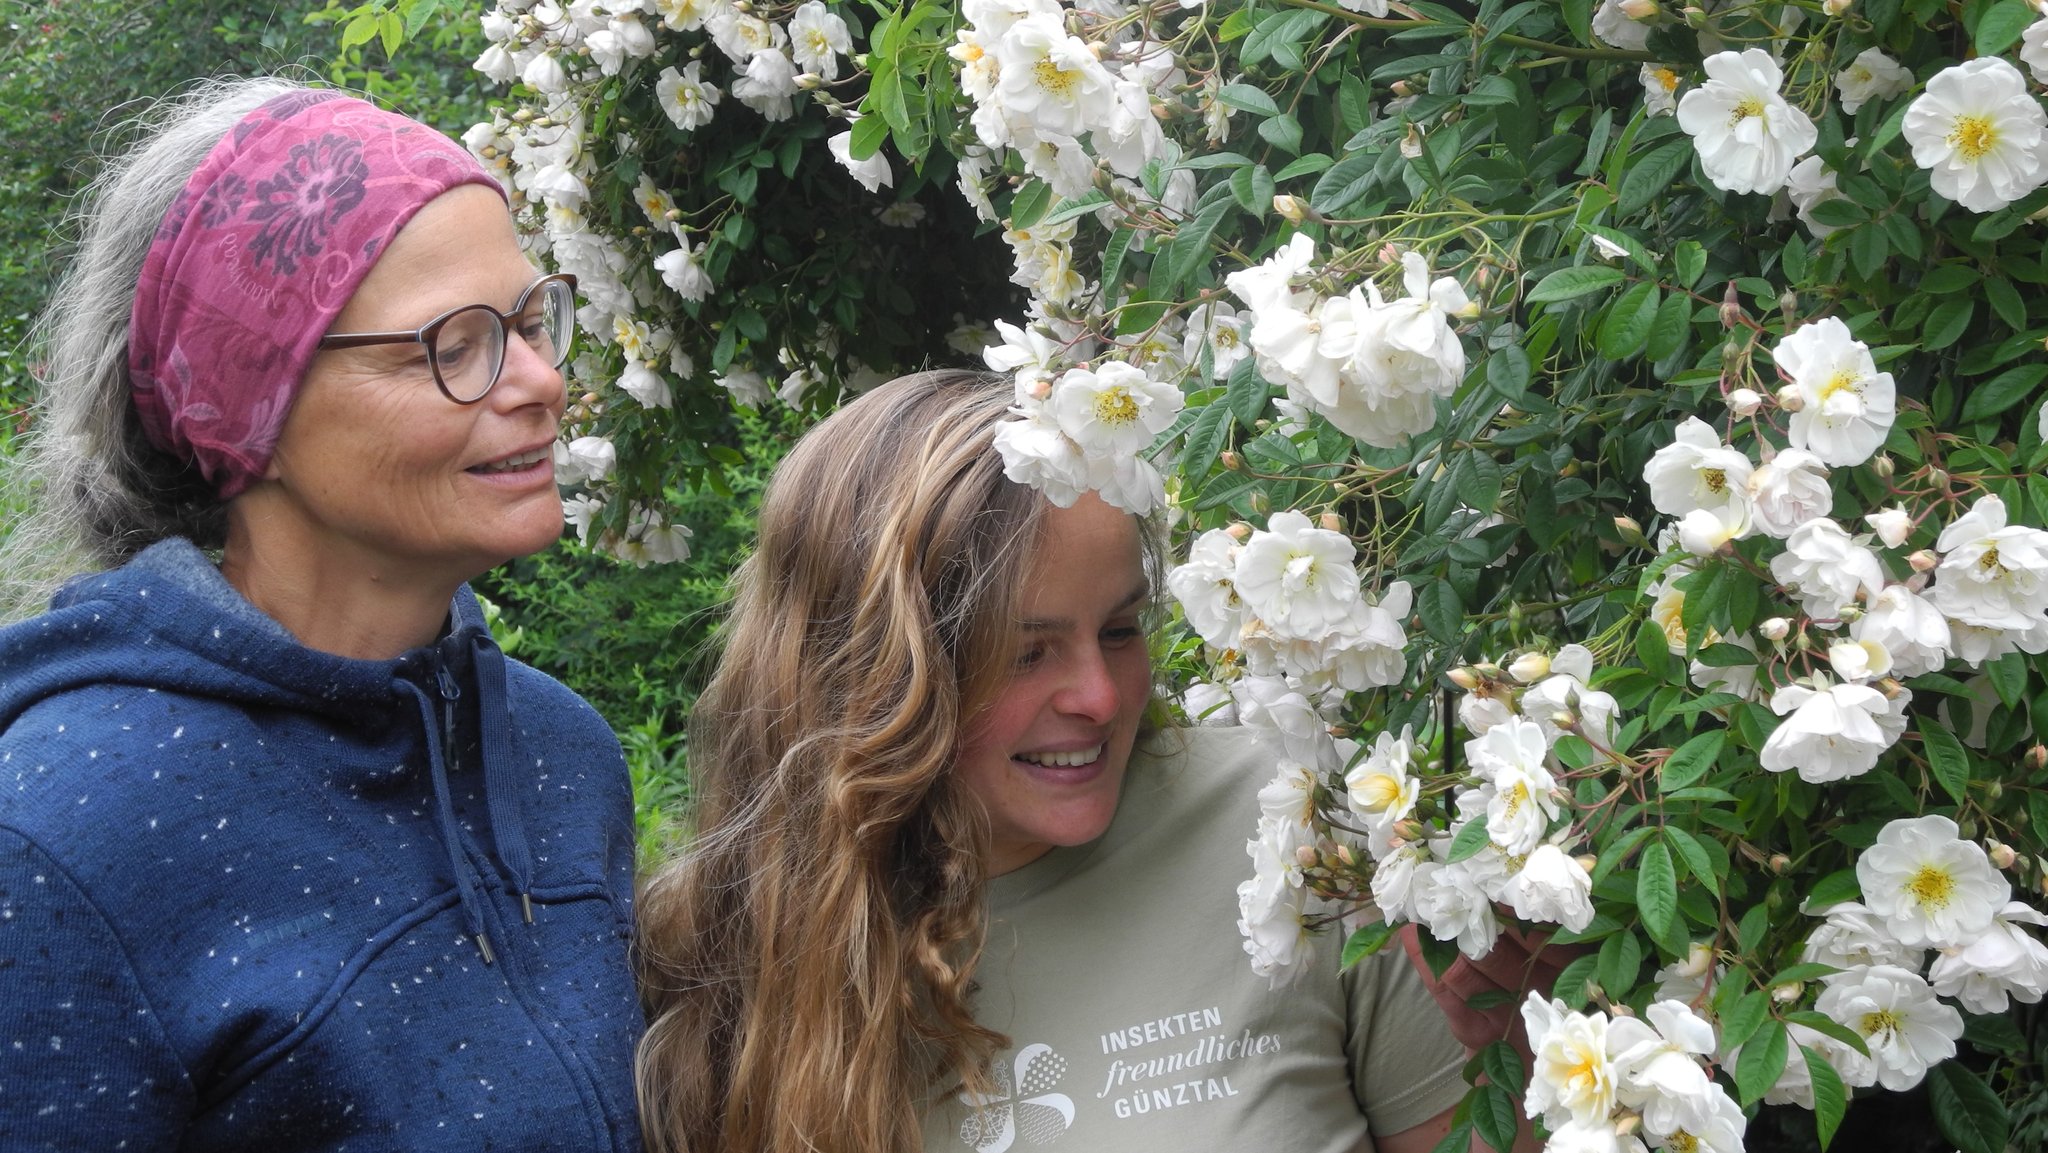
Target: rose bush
(1606, 439)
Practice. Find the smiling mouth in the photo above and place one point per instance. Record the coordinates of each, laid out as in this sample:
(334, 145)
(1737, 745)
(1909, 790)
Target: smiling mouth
(1071, 760)
(520, 463)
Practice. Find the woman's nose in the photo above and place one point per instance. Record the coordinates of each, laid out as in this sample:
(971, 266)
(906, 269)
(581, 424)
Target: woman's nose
(1090, 691)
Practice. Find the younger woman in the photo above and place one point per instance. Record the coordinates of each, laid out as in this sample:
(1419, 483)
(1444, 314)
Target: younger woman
(948, 888)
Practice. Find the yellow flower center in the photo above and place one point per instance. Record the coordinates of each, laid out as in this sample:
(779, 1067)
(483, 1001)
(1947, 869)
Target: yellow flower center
(1225, 338)
(1116, 406)
(1881, 1025)
(1665, 78)
(1745, 108)
(1932, 886)
(1989, 562)
(1717, 479)
(1059, 81)
(1973, 136)
(1377, 792)
(1842, 380)
(1682, 1142)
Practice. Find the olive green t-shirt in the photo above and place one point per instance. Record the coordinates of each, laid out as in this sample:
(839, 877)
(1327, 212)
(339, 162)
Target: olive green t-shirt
(1137, 1026)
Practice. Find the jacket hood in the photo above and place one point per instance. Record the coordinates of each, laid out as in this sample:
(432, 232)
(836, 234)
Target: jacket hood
(168, 620)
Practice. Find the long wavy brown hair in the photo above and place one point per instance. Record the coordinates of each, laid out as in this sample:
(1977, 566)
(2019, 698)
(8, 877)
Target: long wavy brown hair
(806, 960)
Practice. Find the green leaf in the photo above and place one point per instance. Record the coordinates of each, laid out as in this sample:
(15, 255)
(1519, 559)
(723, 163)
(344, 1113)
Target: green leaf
(2009, 676)
(1570, 986)
(1571, 283)
(1030, 203)
(1689, 260)
(1657, 890)
(1650, 174)
(1833, 889)
(2001, 392)
(1621, 956)
(1693, 759)
(1469, 841)
(1828, 1026)
(868, 134)
(1302, 166)
(1653, 649)
(1946, 757)
(1762, 1060)
(1804, 971)
(1671, 327)
(392, 31)
(1508, 372)
(1282, 132)
(1493, 1115)
(2007, 302)
(1346, 181)
(1741, 1020)
(1626, 329)
(1113, 256)
(1188, 250)
(1830, 1096)
(2002, 25)
(1205, 439)
(1966, 1109)
(1699, 861)
(1366, 941)
(1248, 99)
(1443, 614)
(1504, 1068)
(1947, 323)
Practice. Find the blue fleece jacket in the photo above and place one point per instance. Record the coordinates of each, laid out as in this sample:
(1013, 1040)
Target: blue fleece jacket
(254, 896)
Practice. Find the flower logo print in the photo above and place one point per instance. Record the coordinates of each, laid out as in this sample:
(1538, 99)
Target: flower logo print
(1020, 1103)
(322, 182)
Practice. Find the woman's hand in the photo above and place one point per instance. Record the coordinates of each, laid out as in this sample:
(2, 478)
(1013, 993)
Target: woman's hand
(1520, 961)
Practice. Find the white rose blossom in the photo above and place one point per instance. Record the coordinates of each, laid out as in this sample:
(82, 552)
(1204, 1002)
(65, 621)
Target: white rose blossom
(818, 38)
(873, 173)
(1573, 1078)
(1747, 136)
(2003, 964)
(2034, 49)
(1297, 577)
(1614, 26)
(767, 84)
(1207, 590)
(1981, 136)
(1552, 886)
(1847, 405)
(1660, 89)
(1831, 735)
(1811, 183)
(1896, 1013)
(1788, 490)
(1910, 628)
(1827, 568)
(688, 100)
(1992, 574)
(1928, 885)
(1871, 76)
(1381, 790)
(1697, 471)
(1851, 936)
(1657, 1067)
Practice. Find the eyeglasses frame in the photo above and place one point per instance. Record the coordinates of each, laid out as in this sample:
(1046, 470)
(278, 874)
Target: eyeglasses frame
(425, 333)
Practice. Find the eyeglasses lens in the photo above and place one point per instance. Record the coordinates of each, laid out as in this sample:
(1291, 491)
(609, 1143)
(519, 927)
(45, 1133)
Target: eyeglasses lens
(468, 349)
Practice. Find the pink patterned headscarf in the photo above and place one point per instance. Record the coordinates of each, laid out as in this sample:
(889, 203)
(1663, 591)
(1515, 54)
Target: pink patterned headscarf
(262, 249)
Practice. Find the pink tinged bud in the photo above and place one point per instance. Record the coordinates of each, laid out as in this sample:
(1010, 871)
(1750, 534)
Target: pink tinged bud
(1040, 389)
(1331, 522)
(1745, 401)
(1790, 399)
(1779, 863)
(1464, 678)
(2002, 855)
(1924, 560)
(1775, 629)
(1239, 531)
(2037, 757)
(1231, 461)
(1731, 306)
(1306, 856)
(1530, 668)
(1639, 9)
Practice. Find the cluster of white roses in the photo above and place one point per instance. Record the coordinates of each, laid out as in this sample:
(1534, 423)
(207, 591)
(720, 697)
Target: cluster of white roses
(1512, 791)
(1975, 128)
(1372, 367)
(1924, 888)
(1604, 1082)
(1980, 592)
(1283, 611)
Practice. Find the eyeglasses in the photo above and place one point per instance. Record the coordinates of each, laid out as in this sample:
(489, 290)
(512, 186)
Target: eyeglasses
(466, 346)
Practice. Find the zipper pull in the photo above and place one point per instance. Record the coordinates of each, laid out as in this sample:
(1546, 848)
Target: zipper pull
(445, 681)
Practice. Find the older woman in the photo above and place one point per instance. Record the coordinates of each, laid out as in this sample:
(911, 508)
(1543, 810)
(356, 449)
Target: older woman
(291, 856)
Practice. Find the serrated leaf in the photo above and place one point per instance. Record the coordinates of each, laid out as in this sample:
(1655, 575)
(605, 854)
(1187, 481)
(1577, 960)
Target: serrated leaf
(1621, 956)
(1692, 760)
(1571, 283)
(1689, 260)
(1205, 439)
(1830, 1096)
(1504, 1068)
(1946, 758)
(1653, 649)
(1030, 203)
(1343, 183)
(1247, 98)
(1626, 328)
(1762, 1061)
(1699, 860)
(1570, 986)
(1650, 174)
(1966, 1109)
(1493, 1115)
(1824, 1024)
(1443, 614)
(1366, 941)
(2001, 392)
(2002, 25)
(1188, 250)
(1657, 890)
(1471, 839)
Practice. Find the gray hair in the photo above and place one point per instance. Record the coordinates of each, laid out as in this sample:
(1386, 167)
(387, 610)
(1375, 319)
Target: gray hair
(98, 491)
